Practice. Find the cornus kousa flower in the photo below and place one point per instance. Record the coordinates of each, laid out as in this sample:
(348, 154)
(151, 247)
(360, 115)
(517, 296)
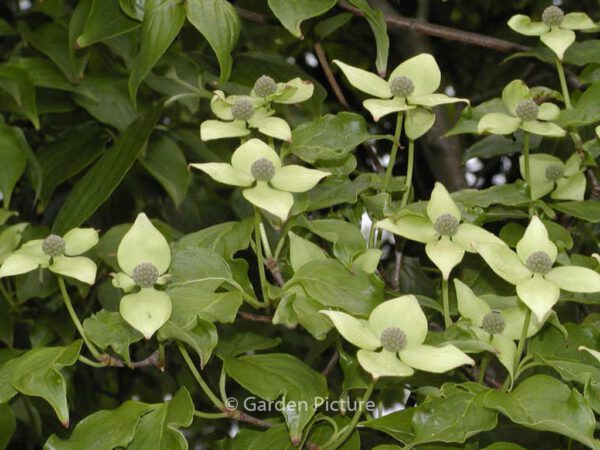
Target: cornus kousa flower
(391, 341)
(256, 164)
(565, 181)
(497, 327)
(530, 270)
(411, 88)
(446, 238)
(56, 253)
(144, 256)
(521, 112)
(239, 113)
(556, 28)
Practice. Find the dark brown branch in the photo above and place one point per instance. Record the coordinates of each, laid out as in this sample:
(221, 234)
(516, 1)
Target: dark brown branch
(441, 31)
(329, 74)
(254, 317)
(152, 360)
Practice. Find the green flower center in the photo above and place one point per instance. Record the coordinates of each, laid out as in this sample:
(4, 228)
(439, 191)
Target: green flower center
(493, 323)
(527, 110)
(145, 274)
(555, 172)
(539, 262)
(402, 86)
(393, 339)
(446, 225)
(242, 109)
(53, 245)
(553, 16)
(262, 169)
(265, 86)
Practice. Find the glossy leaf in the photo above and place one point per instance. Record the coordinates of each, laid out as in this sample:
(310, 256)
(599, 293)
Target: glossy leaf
(292, 14)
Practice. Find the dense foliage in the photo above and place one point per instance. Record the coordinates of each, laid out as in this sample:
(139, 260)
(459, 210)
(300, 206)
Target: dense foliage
(308, 224)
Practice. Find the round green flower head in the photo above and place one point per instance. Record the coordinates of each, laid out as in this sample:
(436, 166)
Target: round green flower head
(393, 339)
(539, 262)
(553, 16)
(145, 274)
(493, 322)
(555, 172)
(242, 109)
(53, 245)
(446, 225)
(402, 86)
(262, 169)
(265, 86)
(527, 110)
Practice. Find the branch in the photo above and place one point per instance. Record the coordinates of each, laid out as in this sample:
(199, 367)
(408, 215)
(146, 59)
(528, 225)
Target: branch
(441, 31)
(254, 317)
(275, 270)
(152, 360)
(331, 364)
(329, 74)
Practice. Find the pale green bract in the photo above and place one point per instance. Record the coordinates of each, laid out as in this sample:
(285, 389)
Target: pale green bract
(274, 194)
(294, 91)
(565, 181)
(424, 77)
(530, 270)
(444, 250)
(9, 239)
(508, 122)
(405, 316)
(31, 256)
(557, 38)
(143, 246)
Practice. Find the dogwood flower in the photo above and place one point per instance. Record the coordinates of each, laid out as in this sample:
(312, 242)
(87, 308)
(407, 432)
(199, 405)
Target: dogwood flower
(144, 257)
(294, 91)
(397, 327)
(556, 28)
(566, 180)
(255, 163)
(530, 270)
(446, 238)
(522, 112)
(411, 88)
(57, 254)
(497, 327)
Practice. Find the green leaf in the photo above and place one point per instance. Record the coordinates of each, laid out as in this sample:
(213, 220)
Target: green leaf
(200, 334)
(218, 22)
(196, 300)
(303, 251)
(37, 373)
(104, 21)
(113, 428)
(225, 238)
(8, 425)
(492, 146)
(279, 374)
(165, 162)
(331, 137)
(98, 184)
(158, 429)
(292, 14)
(505, 194)
(241, 342)
(376, 20)
(330, 25)
(586, 210)
(545, 404)
(162, 21)
(133, 8)
(108, 329)
(17, 83)
(13, 152)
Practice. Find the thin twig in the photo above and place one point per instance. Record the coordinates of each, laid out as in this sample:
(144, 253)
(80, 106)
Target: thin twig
(331, 364)
(329, 74)
(251, 16)
(152, 360)
(444, 32)
(275, 270)
(254, 317)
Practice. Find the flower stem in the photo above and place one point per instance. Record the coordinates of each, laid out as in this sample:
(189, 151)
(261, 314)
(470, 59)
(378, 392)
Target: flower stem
(75, 319)
(203, 385)
(395, 145)
(526, 160)
(260, 257)
(409, 172)
(485, 361)
(9, 299)
(563, 84)
(523, 337)
(205, 415)
(446, 303)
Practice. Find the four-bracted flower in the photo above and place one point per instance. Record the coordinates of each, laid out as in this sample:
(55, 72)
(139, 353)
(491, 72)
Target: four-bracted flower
(530, 270)
(56, 253)
(556, 28)
(144, 257)
(446, 238)
(398, 327)
(521, 112)
(256, 162)
(411, 88)
(497, 327)
(548, 172)
(294, 91)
